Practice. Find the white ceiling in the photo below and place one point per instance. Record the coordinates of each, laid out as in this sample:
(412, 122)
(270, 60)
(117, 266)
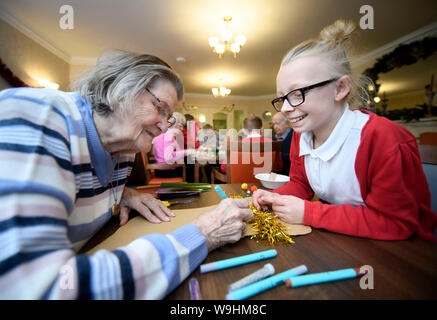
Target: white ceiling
(173, 28)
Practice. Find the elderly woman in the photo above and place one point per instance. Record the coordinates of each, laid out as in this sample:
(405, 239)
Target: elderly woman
(64, 160)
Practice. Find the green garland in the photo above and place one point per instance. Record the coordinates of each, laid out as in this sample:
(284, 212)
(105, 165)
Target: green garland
(403, 55)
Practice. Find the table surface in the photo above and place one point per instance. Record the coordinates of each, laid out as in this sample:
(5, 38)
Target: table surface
(401, 269)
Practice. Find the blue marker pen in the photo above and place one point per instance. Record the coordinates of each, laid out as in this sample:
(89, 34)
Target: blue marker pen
(229, 263)
(221, 193)
(263, 285)
(323, 277)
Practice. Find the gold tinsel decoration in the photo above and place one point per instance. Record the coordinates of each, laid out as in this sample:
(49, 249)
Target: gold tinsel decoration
(267, 226)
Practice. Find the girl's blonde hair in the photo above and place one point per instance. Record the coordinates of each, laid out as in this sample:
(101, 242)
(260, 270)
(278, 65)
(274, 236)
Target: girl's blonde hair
(334, 45)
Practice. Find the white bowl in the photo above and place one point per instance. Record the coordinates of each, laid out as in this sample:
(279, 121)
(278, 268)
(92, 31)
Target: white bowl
(279, 180)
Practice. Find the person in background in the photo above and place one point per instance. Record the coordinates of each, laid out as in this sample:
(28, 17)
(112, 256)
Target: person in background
(253, 127)
(190, 131)
(210, 143)
(65, 157)
(365, 169)
(209, 138)
(242, 134)
(284, 133)
(168, 148)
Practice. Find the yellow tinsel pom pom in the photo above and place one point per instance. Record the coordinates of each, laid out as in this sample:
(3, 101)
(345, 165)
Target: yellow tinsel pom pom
(267, 226)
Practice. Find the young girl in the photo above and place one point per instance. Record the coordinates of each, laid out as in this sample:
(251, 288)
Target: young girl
(365, 169)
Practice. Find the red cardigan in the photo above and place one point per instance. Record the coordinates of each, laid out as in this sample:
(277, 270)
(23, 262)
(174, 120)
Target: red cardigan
(392, 182)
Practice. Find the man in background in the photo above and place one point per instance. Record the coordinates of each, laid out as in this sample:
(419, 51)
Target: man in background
(284, 133)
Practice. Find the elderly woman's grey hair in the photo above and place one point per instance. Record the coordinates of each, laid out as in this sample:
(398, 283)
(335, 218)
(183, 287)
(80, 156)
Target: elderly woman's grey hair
(120, 76)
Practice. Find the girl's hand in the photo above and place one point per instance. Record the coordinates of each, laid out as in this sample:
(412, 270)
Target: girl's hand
(258, 199)
(290, 209)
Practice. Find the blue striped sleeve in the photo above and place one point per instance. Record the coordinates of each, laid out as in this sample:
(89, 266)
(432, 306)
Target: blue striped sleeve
(18, 221)
(10, 186)
(169, 258)
(11, 262)
(191, 238)
(20, 122)
(83, 273)
(126, 275)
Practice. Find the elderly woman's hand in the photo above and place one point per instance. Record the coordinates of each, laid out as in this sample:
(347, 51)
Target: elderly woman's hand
(149, 207)
(225, 223)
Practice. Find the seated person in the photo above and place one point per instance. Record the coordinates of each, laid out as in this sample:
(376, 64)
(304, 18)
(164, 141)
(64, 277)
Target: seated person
(209, 139)
(283, 132)
(168, 148)
(253, 129)
(191, 125)
(242, 134)
(365, 168)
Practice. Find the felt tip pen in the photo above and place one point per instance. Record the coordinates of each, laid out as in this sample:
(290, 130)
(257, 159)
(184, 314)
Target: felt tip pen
(229, 263)
(323, 277)
(221, 193)
(194, 288)
(266, 271)
(263, 285)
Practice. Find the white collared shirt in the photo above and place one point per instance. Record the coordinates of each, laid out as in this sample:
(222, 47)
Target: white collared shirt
(331, 167)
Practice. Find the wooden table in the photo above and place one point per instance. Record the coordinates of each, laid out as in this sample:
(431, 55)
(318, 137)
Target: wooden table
(402, 269)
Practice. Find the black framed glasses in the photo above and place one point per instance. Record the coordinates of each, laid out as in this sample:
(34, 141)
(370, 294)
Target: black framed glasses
(297, 96)
(162, 111)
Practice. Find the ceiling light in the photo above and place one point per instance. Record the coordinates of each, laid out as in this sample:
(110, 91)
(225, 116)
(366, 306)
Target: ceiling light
(226, 36)
(181, 59)
(220, 92)
(47, 84)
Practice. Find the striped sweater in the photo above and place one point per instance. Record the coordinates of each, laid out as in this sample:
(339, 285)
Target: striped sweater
(55, 194)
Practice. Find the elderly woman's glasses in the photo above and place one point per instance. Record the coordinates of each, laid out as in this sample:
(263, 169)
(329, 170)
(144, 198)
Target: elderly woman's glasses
(163, 111)
(297, 96)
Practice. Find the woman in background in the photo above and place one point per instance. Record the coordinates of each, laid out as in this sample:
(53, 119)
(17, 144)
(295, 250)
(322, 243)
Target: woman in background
(168, 148)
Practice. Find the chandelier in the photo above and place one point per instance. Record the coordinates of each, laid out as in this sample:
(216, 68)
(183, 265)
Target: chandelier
(220, 92)
(226, 35)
